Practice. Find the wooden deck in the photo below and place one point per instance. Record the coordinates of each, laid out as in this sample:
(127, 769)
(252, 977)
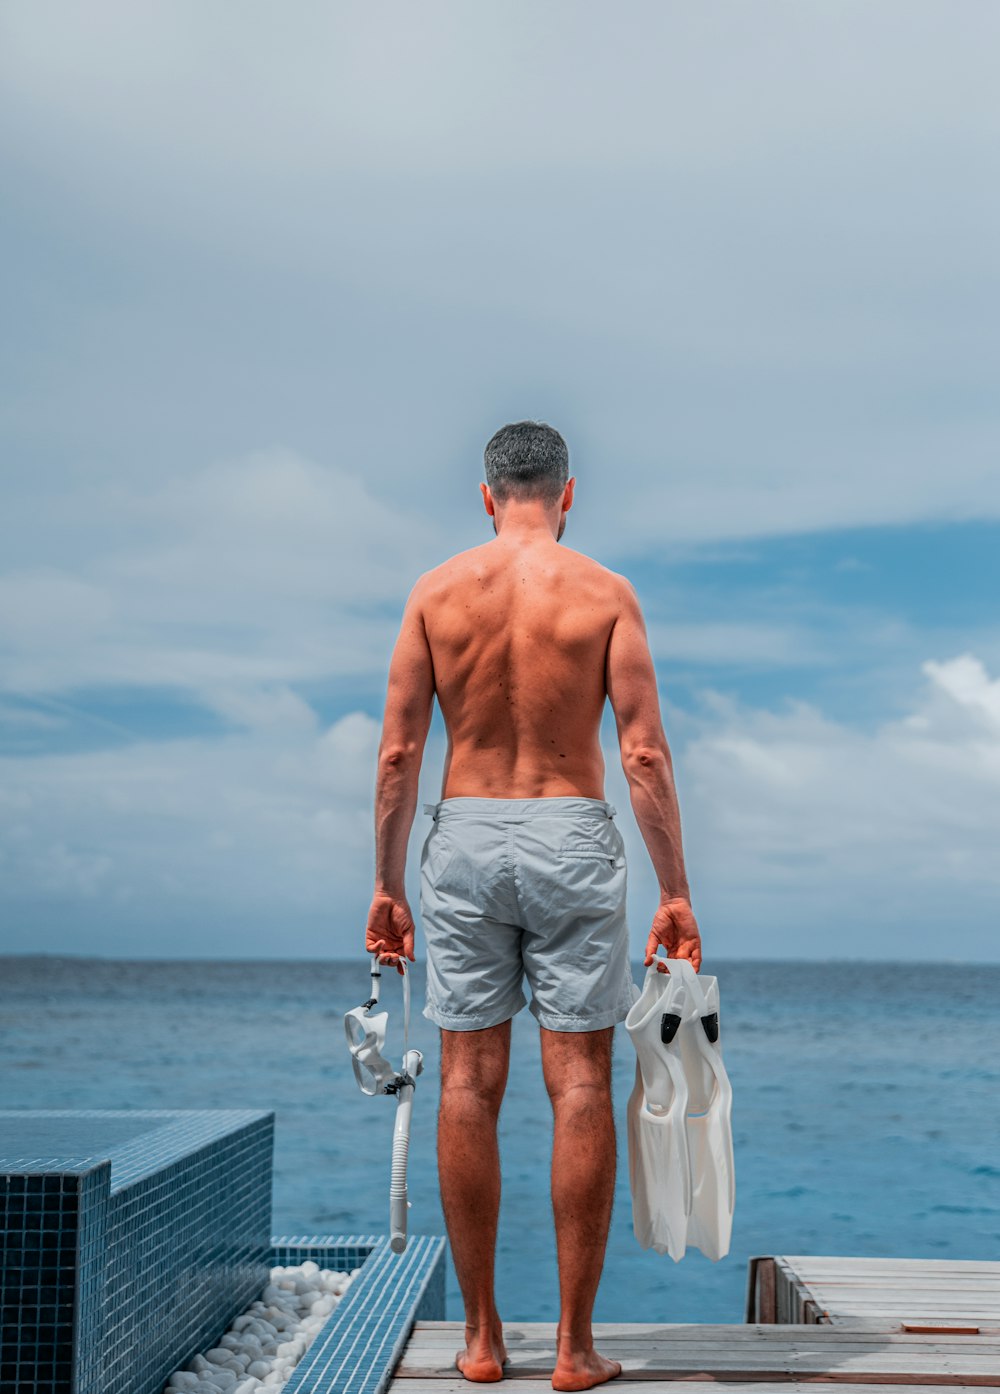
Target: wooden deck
(866, 1323)
(757, 1357)
(884, 1294)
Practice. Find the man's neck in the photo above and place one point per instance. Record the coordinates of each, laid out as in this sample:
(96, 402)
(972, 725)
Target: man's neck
(527, 525)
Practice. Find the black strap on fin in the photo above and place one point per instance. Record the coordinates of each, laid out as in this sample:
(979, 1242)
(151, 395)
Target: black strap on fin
(669, 1023)
(711, 1025)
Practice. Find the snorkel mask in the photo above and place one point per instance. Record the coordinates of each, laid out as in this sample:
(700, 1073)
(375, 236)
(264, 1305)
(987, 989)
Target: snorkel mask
(375, 1075)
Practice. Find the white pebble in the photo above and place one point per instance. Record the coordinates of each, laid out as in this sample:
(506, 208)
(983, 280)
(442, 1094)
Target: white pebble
(224, 1379)
(263, 1345)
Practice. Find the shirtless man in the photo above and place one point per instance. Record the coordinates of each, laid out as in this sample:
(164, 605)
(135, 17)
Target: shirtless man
(523, 870)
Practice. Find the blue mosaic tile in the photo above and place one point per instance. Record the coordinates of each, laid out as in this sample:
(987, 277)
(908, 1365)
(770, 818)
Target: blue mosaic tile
(357, 1349)
(131, 1244)
(130, 1241)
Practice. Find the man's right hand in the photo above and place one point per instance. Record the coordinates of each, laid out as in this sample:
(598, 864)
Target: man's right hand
(389, 931)
(675, 927)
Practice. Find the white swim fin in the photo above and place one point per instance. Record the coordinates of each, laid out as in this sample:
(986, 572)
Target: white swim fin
(679, 1116)
(659, 1171)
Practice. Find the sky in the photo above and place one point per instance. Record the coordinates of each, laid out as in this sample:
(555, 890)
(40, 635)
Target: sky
(272, 276)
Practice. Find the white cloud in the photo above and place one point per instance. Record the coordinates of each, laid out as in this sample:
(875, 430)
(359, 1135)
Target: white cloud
(808, 837)
(257, 844)
(555, 84)
(718, 641)
(967, 683)
(247, 575)
(700, 240)
(805, 837)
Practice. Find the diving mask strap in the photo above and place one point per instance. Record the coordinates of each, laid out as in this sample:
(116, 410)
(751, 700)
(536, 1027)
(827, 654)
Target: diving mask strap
(406, 1009)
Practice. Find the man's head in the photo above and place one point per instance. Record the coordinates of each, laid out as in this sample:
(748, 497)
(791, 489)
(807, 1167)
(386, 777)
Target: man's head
(528, 463)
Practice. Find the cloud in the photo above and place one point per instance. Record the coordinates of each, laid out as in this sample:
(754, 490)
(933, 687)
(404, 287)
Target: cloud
(968, 685)
(259, 844)
(812, 838)
(269, 569)
(553, 85)
(701, 242)
(719, 642)
(805, 838)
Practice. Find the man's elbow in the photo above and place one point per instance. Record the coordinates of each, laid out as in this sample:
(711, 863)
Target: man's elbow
(397, 756)
(644, 758)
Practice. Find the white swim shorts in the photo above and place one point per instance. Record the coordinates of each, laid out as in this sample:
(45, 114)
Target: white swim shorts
(510, 887)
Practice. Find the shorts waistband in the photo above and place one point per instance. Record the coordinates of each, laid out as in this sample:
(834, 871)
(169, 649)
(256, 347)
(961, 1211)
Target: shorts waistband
(507, 810)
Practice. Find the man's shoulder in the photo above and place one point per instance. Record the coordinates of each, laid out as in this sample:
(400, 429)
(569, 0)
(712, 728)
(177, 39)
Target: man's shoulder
(462, 562)
(595, 569)
(437, 581)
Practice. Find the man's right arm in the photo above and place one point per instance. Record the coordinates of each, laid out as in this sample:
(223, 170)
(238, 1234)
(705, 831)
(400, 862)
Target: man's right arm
(631, 684)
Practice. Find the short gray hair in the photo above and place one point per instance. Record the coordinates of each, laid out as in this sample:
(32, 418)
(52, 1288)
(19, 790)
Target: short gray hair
(527, 460)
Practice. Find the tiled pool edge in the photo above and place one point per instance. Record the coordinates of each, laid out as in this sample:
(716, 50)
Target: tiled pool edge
(145, 1233)
(129, 1237)
(356, 1350)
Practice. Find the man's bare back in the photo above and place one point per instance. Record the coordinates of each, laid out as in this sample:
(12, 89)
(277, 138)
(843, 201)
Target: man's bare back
(518, 631)
(521, 641)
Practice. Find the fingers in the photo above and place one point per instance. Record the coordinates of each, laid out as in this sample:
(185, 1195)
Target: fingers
(692, 952)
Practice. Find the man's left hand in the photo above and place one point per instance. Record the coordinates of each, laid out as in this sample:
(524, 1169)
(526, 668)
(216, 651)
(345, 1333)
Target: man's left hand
(390, 929)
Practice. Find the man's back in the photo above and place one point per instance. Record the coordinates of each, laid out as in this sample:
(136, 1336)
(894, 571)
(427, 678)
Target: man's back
(518, 631)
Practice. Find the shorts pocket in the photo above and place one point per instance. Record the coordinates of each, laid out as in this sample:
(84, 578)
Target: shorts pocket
(605, 846)
(437, 852)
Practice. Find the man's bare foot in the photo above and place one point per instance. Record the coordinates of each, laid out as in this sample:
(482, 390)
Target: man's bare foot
(485, 1353)
(582, 1369)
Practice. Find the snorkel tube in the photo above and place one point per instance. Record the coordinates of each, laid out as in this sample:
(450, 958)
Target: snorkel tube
(375, 1075)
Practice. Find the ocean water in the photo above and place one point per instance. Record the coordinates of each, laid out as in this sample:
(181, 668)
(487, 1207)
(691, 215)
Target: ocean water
(866, 1102)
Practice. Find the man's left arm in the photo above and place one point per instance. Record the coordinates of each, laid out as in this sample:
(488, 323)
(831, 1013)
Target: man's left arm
(408, 704)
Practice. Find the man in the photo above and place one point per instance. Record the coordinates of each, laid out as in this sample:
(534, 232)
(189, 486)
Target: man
(523, 871)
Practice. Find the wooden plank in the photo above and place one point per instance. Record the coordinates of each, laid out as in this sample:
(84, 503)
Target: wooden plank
(543, 1333)
(980, 1281)
(979, 1360)
(854, 1365)
(870, 1288)
(902, 1343)
(752, 1384)
(623, 1385)
(838, 1262)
